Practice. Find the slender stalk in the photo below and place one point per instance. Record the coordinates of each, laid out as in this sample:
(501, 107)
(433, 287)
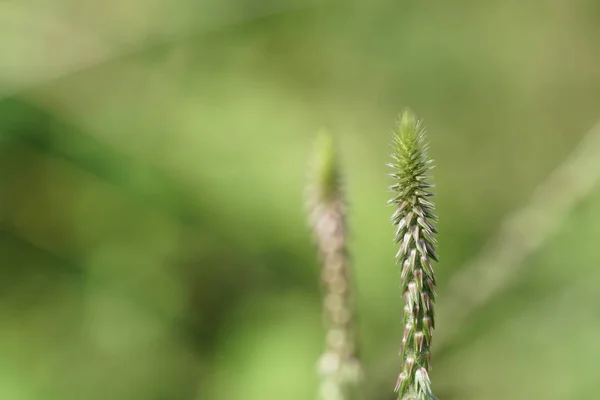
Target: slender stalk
(414, 222)
(339, 368)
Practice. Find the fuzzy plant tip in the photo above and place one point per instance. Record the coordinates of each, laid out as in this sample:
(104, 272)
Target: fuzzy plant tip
(325, 180)
(414, 223)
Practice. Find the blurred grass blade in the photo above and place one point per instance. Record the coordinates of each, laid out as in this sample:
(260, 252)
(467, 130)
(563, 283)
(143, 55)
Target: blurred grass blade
(26, 30)
(523, 233)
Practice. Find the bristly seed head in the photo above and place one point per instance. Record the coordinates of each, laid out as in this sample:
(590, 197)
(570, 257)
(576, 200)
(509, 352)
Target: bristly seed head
(414, 221)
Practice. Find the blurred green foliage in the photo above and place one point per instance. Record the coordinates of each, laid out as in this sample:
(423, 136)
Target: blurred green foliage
(153, 158)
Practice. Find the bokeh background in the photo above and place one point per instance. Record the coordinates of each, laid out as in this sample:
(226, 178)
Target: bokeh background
(153, 157)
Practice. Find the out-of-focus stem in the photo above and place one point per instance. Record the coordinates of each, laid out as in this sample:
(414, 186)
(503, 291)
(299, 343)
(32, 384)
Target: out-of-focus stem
(523, 233)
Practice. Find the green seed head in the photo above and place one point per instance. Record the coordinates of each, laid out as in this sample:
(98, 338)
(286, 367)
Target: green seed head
(414, 220)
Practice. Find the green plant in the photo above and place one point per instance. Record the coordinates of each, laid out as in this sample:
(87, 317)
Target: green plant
(339, 368)
(414, 220)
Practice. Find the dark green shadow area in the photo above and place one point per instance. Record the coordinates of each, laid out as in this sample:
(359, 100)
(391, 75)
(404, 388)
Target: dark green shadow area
(21, 121)
(216, 271)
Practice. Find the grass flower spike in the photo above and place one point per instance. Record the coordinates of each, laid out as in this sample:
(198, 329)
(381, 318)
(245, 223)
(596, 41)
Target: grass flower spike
(339, 368)
(413, 219)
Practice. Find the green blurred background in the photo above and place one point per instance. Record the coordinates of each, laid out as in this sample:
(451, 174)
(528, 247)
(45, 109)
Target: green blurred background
(153, 162)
